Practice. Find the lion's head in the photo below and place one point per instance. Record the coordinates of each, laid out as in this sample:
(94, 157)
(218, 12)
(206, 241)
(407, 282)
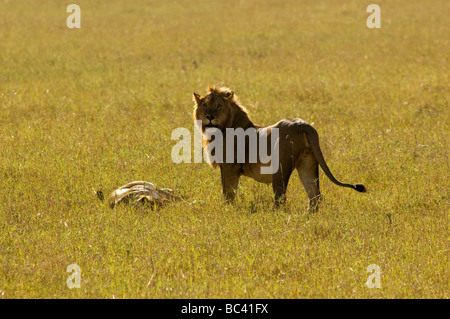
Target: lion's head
(219, 108)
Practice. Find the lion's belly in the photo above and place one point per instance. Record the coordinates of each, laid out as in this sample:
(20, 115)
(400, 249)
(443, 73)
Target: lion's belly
(254, 171)
(291, 142)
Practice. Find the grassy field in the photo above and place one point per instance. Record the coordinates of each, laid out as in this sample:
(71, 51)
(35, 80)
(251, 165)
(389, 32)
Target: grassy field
(93, 108)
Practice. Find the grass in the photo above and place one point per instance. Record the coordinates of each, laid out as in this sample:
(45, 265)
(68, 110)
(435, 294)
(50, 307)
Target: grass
(94, 108)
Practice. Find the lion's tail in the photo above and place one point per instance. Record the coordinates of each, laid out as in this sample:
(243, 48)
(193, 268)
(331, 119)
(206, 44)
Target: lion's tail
(313, 140)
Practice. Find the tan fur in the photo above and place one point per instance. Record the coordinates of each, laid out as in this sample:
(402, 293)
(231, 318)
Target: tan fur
(298, 147)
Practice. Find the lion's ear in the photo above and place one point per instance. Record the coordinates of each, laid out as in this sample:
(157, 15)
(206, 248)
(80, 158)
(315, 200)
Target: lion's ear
(197, 99)
(229, 95)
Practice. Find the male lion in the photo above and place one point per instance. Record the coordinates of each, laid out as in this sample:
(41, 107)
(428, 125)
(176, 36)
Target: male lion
(298, 148)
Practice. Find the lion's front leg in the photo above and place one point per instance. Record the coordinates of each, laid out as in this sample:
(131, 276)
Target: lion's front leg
(230, 174)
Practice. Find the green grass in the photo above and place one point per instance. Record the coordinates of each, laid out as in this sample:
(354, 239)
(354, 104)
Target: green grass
(94, 108)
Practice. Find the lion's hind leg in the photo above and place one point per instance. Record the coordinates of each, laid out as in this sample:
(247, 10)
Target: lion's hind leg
(280, 181)
(308, 171)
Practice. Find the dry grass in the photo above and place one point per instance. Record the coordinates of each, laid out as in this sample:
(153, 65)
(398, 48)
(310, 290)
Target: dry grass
(94, 108)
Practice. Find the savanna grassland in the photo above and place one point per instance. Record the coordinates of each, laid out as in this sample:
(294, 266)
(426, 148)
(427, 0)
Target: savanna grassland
(94, 108)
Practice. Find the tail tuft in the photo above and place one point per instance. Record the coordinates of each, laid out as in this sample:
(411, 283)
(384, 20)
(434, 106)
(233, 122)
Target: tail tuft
(360, 188)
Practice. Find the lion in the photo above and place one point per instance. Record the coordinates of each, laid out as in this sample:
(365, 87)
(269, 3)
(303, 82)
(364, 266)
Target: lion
(298, 148)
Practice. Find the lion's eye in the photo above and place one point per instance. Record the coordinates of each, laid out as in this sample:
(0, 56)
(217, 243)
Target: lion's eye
(219, 107)
(204, 106)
